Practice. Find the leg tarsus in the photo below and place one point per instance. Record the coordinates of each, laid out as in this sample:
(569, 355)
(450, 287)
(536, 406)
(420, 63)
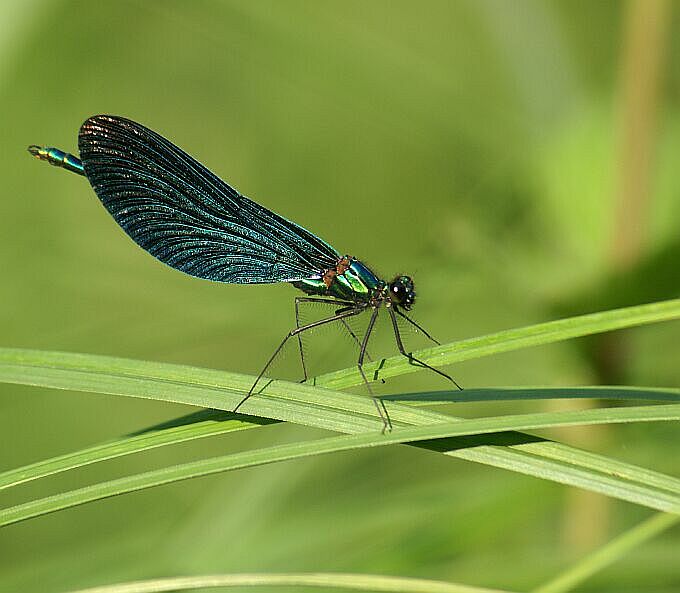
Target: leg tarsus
(413, 323)
(379, 404)
(412, 359)
(290, 334)
(356, 339)
(299, 337)
(384, 415)
(347, 307)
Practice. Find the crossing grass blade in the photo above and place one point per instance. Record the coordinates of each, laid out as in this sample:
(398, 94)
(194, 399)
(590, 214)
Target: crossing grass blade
(325, 409)
(343, 412)
(513, 339)
(616, 393)
(207, 423)
(522, 453)
(199, 425)
(77, 371)
(653, 498)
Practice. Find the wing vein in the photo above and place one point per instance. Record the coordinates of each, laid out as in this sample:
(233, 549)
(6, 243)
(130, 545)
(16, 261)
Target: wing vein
(186, 216)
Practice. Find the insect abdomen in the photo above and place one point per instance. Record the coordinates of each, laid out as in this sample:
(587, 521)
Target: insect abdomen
(58, 158)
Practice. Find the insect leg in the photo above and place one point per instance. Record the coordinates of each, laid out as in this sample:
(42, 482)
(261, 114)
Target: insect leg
(299, 337)
(403, 315)
(348, 306)
(354, 336)
(379, 404)
(289, 335)
(299, 300)
(409, 355)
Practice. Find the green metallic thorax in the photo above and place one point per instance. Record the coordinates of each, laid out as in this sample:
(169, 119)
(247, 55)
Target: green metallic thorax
(356, 283)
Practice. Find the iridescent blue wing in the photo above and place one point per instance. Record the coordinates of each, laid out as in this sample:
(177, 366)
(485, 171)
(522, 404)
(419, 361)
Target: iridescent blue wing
(187, 217)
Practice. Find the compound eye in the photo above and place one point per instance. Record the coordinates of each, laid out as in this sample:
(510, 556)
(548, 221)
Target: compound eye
(398, 291)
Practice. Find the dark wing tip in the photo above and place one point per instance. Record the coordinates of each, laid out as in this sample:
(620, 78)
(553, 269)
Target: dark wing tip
(98, 124)
(100, 119)
(184, 215)
(106, 135)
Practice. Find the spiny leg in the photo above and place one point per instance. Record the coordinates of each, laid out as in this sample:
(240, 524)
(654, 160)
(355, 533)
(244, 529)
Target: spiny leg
(412, 359)
(348, 305)
(290, 334)
(299, 337)
(356, 339)
(404, 316)
(379, 404)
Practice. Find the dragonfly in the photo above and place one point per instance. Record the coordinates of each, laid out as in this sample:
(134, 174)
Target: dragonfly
(188, 218)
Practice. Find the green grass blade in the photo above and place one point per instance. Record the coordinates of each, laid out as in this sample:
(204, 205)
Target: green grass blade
(504, 341)
(212, 422)
(592, 462)
(609, 553)
(650, 497)
(513, 339)
(356, 582)
(622, 393)
(205, 388)
(204, 424)
(317, 407)
(321, 408)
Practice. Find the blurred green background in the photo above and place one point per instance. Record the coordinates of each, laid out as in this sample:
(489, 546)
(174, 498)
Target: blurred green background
(518, 159)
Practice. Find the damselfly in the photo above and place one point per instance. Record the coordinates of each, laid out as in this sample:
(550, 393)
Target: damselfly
(188, 218)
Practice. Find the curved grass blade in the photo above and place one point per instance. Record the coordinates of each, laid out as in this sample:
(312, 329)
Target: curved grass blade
(195, 426)
(491, 394)
(508, 340)
(504, 341)
(313, 406)
(213, 422)
(356, 582)
(609, 553)
(205, 388)
(585, 461)
(659, 500)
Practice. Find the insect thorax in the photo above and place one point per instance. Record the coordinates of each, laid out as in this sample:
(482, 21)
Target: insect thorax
(350, 280)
